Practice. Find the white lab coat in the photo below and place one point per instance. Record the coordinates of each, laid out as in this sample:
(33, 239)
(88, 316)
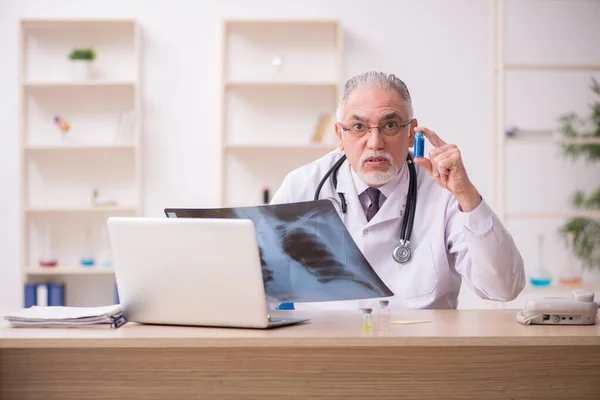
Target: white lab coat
(446, 243)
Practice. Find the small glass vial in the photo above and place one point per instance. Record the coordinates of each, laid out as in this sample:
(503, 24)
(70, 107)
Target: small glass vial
(367, 320)
(105, 256)
(419, 145)
(87, 258)
(384, 315)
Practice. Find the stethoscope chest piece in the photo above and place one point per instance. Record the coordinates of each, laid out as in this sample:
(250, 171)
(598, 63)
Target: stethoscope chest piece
(401, 253)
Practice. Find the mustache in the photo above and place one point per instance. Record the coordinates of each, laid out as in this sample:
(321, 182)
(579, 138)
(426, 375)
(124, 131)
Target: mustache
(376, 153)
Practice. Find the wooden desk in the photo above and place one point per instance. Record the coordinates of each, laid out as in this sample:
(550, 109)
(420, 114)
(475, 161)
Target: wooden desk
(458, 355)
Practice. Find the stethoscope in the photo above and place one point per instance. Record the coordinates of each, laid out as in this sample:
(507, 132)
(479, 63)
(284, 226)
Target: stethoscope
(401, 253)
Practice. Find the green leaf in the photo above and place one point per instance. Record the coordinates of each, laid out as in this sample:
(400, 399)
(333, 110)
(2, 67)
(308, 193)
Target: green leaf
(586, 235)
(585, 231)
(83, 54)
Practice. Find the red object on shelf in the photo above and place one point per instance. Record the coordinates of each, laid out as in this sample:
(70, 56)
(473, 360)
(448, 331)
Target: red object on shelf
(48, 263)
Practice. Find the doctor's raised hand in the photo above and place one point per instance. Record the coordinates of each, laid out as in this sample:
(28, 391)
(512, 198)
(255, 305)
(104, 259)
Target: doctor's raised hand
(445, 165)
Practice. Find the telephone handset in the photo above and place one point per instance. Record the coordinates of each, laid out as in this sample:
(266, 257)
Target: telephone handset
(581, 309)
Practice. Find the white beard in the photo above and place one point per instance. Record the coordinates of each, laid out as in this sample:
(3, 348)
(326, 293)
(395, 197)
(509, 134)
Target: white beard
(377, 178)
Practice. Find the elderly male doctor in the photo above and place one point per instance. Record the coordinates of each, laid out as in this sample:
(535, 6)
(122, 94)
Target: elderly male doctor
(455, 234)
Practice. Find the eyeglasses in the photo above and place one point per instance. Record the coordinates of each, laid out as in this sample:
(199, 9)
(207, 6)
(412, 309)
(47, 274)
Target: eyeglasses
(390, 128)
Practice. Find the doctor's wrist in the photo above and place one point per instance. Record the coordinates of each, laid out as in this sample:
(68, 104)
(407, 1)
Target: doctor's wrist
(469, 199)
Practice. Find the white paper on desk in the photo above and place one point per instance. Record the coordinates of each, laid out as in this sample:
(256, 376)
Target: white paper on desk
(60, 315)
(410, 322)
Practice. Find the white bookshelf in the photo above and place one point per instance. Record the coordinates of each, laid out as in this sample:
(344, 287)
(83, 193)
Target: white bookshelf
(532, 182)
(279, 77)
(102, 151)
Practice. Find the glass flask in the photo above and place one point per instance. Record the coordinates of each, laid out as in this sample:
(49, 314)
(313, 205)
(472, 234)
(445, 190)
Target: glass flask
(570, 274)
(47, 259)
(87, 258)
(541, 277)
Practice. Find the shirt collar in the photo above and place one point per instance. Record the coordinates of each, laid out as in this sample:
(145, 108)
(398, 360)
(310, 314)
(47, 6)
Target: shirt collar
(386, 189)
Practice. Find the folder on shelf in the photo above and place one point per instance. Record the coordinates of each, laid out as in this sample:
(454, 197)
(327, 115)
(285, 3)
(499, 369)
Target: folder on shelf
(60, 316)
(323, 126)
(44, 294)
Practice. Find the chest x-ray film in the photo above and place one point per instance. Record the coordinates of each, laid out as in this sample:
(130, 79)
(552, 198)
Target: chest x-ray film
(306, 252)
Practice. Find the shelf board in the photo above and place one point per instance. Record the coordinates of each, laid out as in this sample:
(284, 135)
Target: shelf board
(558, 287)
(76, 84)
(76, 147)
(552, 140)
(555, 214)
(275, 84)
(42, 23)
(259, 22)
(78, 210)
(551, 67)
(282, 147)
(60, 270)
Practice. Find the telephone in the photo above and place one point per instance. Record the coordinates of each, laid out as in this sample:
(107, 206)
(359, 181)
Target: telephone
(581, 309)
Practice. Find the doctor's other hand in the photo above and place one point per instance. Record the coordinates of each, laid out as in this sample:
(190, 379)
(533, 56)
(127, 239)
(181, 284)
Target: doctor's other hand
(446, 167)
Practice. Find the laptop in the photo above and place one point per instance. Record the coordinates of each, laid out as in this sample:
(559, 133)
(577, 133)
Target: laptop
(195, 272)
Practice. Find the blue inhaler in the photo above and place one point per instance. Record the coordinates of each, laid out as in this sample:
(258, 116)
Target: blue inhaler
(419, 145)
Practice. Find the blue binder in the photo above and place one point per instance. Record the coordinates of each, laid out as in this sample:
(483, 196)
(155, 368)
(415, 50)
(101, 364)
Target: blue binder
(30, 295)
(56, 294)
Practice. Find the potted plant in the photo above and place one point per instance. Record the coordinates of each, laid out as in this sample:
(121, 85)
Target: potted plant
(81, 59)
(584, 232)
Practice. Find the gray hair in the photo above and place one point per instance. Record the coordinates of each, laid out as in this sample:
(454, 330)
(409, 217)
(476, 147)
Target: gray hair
(374, 79)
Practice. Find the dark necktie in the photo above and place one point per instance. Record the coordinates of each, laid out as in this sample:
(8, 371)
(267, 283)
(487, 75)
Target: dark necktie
(374, 206)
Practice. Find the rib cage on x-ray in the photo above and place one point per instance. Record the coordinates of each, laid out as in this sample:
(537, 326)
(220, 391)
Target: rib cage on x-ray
(306, 252)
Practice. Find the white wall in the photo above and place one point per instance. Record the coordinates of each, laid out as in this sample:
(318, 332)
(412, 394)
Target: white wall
(442, 49)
